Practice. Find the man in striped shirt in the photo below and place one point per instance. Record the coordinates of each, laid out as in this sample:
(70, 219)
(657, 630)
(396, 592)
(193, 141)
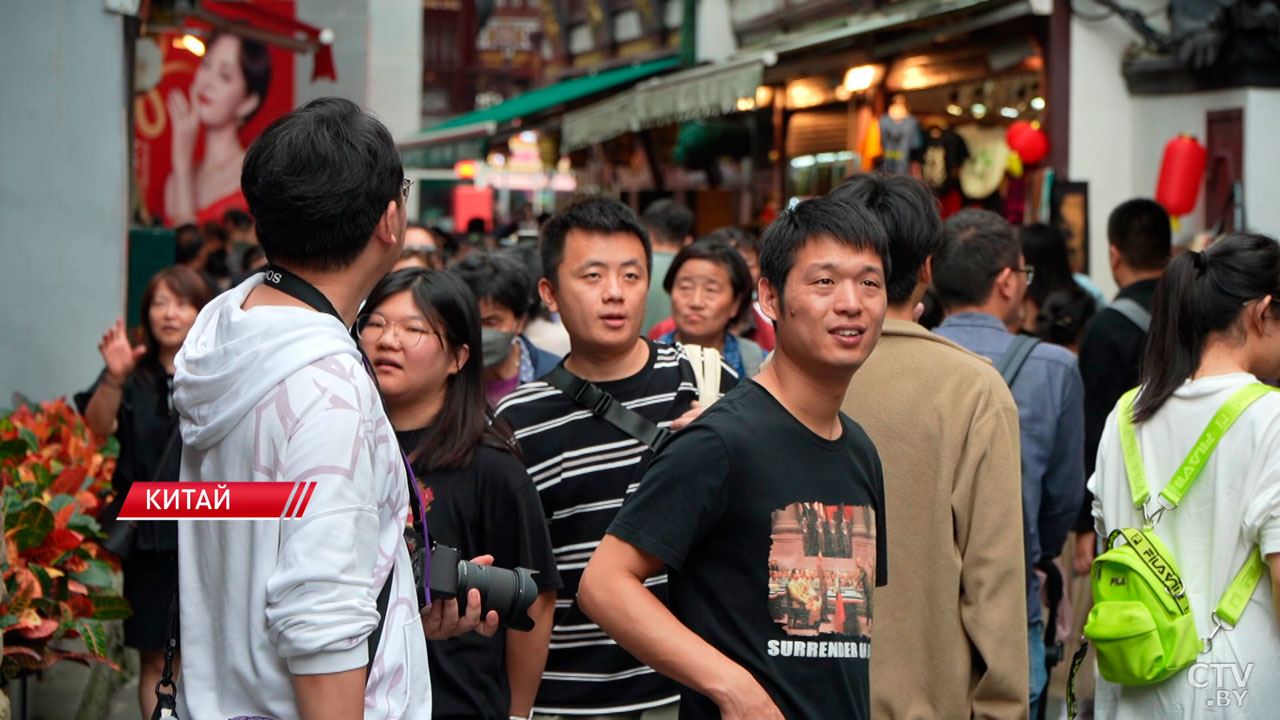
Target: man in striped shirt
(596, 260)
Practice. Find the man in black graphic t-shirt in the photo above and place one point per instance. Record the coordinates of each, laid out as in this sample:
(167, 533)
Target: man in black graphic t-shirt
(768, 619)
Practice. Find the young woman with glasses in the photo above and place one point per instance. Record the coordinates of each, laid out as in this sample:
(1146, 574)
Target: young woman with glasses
(421, 332)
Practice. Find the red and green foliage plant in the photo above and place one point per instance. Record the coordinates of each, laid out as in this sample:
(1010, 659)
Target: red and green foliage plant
(58, 582)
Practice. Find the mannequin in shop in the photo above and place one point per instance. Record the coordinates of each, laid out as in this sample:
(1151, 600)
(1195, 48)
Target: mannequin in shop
(899, 135)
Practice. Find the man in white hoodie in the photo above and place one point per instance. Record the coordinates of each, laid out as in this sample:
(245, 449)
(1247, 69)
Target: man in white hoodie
(279, 616)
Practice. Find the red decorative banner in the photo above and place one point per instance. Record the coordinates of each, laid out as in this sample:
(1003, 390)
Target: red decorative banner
(216, 501)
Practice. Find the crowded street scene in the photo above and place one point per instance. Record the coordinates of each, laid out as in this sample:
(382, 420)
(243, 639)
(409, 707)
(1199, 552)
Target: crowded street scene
(640, 360)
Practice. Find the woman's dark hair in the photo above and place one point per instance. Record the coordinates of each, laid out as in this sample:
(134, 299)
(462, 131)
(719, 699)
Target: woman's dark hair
(255, 63)
(1064, 314)
(736, 237)
(727, 257)
(466, 421)
(188, 286)
(1045, 249)
(318, 180)
(1198, 295)
(496, 276)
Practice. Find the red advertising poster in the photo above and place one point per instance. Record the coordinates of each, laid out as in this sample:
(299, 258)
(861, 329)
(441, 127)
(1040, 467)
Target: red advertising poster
(199, 100)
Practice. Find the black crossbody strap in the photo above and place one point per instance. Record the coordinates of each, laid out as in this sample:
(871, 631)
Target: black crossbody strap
(604, 406)
(1015, 357)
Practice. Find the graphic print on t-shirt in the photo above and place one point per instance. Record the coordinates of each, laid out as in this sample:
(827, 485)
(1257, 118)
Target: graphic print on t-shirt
(822, 569)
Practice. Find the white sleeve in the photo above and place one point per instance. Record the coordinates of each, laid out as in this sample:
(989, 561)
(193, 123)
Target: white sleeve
(1262, 513)
(321, 604)
(1102, 473)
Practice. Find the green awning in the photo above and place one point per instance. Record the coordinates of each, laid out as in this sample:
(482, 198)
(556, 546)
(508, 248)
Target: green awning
(536, 101)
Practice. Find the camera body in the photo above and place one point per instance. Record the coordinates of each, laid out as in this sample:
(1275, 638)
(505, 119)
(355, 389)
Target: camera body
(509, 592)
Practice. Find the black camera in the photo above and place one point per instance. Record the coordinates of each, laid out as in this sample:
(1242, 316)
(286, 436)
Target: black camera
(509, 592)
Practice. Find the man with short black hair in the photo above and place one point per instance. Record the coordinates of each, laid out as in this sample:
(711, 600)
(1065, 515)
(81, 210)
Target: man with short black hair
(1139, 237)
(670, 227)
(981, 278)
(315, 617)
(769, 509)
(958, 562)
(596, 261)
(502, 286)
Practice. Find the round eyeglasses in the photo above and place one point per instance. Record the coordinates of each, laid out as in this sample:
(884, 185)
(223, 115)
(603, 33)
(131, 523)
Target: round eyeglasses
(409, 333)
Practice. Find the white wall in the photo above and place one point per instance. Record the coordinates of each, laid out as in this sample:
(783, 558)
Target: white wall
(395, 64)
(1262, 161)
(63, 192)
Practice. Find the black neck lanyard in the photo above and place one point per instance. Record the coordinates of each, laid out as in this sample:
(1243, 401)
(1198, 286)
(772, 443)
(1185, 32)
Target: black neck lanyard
(299, 289)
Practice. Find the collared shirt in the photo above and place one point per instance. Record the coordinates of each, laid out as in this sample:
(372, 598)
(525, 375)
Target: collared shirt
(1050, 399)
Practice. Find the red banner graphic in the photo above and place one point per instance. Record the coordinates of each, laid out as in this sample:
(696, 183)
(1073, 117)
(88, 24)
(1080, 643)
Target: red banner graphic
(216, 501)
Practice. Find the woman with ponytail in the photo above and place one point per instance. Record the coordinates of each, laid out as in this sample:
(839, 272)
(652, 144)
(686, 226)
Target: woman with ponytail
(1215, 330)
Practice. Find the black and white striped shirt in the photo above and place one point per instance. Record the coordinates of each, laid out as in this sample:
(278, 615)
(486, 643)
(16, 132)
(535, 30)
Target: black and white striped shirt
(584, 468)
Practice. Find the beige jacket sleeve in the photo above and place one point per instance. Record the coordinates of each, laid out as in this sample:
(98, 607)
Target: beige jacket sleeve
(987, 507)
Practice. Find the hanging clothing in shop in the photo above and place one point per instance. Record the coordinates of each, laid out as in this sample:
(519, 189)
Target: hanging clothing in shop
(982, 173)
(901, 139)
(944, 153)
(870, 147)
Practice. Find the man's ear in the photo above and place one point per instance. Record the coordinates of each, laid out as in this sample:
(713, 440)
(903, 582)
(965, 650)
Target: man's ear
(1004, 283)
(388, 228)
(547, 292)
(925, 276)
(770, 302)
(1113, 256)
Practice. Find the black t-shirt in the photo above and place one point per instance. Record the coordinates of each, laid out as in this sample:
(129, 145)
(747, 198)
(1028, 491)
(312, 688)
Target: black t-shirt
(775, 538)
(584, 468)
(941, 157)
(146, 425)
(1110, 353)
(489, 507)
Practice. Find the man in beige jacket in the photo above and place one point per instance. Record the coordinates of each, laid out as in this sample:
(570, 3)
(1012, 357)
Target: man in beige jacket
(951, 642)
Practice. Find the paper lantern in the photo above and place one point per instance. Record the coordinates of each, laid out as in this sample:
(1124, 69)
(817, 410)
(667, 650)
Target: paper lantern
(1181, 174)
(1015, 131)
(1028, 141)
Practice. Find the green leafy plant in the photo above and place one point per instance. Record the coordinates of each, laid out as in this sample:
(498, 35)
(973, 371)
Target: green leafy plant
(58, 582)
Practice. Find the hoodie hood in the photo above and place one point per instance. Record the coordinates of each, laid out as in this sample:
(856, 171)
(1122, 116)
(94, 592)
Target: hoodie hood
(233, 357)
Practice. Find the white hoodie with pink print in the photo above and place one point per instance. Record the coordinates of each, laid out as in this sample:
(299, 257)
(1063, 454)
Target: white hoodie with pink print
(280, 394)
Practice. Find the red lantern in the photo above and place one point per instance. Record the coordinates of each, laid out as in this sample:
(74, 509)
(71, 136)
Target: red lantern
(1015, 131)
(1028, 141)
(1181, 174)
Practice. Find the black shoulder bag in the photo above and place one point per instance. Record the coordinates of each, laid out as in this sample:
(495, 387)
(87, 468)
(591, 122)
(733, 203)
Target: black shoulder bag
(588, 395)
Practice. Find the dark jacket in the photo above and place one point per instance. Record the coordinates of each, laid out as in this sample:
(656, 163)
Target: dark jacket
(543, 361)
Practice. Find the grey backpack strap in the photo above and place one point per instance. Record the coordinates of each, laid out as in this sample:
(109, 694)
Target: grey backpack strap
(1133, 311)
(1015, 357)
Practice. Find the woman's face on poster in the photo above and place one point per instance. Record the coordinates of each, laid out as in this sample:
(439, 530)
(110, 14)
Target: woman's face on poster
(219, 90)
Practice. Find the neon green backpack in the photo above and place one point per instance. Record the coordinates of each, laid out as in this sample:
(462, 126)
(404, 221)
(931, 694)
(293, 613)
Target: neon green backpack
(1141, 623)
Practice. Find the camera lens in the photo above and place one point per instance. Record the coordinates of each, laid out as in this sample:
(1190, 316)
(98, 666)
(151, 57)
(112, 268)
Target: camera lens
(509, 592)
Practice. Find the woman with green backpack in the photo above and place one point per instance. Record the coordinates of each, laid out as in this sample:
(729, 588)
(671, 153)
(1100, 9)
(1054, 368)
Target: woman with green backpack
(1187, 494)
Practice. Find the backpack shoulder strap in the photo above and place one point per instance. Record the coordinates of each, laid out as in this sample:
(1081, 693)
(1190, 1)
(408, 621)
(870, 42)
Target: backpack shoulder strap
(1195, 460)
(1015, 357)
(1200, 452)
(1133, 469)
(604, 406)
(1133, 311)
